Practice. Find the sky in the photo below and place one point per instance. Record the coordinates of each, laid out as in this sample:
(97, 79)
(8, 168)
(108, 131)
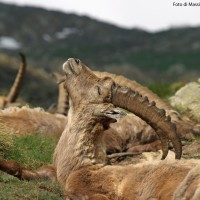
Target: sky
(151, 15)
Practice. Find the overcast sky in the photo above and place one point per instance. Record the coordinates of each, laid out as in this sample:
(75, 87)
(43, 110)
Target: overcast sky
(152, 15)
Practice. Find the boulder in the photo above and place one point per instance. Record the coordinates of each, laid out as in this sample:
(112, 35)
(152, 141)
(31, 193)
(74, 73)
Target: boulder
(187, 100)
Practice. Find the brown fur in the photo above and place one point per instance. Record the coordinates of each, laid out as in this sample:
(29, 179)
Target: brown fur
(118, 138)
(132, 131)
(185, 127)
(80, 160)
(159, 180)
(23, 121)
(13, 168)
(85, 176)
(128, 132)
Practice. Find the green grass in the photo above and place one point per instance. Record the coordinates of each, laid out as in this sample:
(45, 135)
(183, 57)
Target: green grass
(6, 140)
(165, 90)
(14, 189)
(32, 152)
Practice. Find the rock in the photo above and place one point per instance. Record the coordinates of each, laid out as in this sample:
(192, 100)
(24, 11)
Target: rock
(187, 100)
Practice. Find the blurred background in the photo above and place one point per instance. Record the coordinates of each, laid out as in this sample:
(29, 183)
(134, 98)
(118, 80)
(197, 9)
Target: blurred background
(154, 43)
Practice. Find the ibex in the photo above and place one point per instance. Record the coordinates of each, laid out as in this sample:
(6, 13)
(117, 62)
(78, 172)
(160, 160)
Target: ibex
(5, 101)
(131, 131)
(25, 120)
(80, 159)
(185, 128)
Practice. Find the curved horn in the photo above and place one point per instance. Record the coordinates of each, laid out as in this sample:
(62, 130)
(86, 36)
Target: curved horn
(132, 84)
(132, 101)
(14, 91)
(63, 99)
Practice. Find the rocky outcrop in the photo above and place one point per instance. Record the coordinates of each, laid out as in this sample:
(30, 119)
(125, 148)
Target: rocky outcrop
(187, 100)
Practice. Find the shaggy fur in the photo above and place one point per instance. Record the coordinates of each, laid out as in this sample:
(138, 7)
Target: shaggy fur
(23, 121)
(163, 180)
(131, 131)
(185, 127)
(79, 157)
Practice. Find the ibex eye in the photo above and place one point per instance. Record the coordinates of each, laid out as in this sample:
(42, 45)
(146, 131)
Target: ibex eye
(77, 61)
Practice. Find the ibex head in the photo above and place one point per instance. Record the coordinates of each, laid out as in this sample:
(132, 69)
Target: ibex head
(92, 88)
(95, 92)
(86, 89)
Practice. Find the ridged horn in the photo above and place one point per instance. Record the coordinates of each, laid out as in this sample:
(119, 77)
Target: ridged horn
(123, 81)
(132, 101)
(63, 99)
(15, 89)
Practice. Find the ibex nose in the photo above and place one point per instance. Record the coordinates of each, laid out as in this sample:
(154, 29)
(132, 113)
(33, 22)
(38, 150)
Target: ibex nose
(74, 59)
(72, 66)
(77, 60)
(70, 59)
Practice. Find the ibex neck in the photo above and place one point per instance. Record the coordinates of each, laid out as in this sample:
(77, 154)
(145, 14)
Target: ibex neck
(80, 145)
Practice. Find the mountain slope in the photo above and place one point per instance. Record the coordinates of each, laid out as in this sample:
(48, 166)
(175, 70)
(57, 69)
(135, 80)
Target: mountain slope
(48, 38)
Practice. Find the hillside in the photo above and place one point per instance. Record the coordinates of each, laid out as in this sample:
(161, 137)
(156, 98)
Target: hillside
(48, 38)
(39, 89)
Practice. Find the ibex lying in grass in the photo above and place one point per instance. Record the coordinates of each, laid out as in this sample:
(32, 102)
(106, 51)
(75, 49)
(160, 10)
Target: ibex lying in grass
(131, 131)
(80, 159)
(128, 132)
(5, 101)
(185, 128)
(25, 120)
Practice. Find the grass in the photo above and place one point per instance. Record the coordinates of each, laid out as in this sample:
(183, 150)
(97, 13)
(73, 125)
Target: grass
(165, 90)
(6, 140)
(32, 152)
(14, 189)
